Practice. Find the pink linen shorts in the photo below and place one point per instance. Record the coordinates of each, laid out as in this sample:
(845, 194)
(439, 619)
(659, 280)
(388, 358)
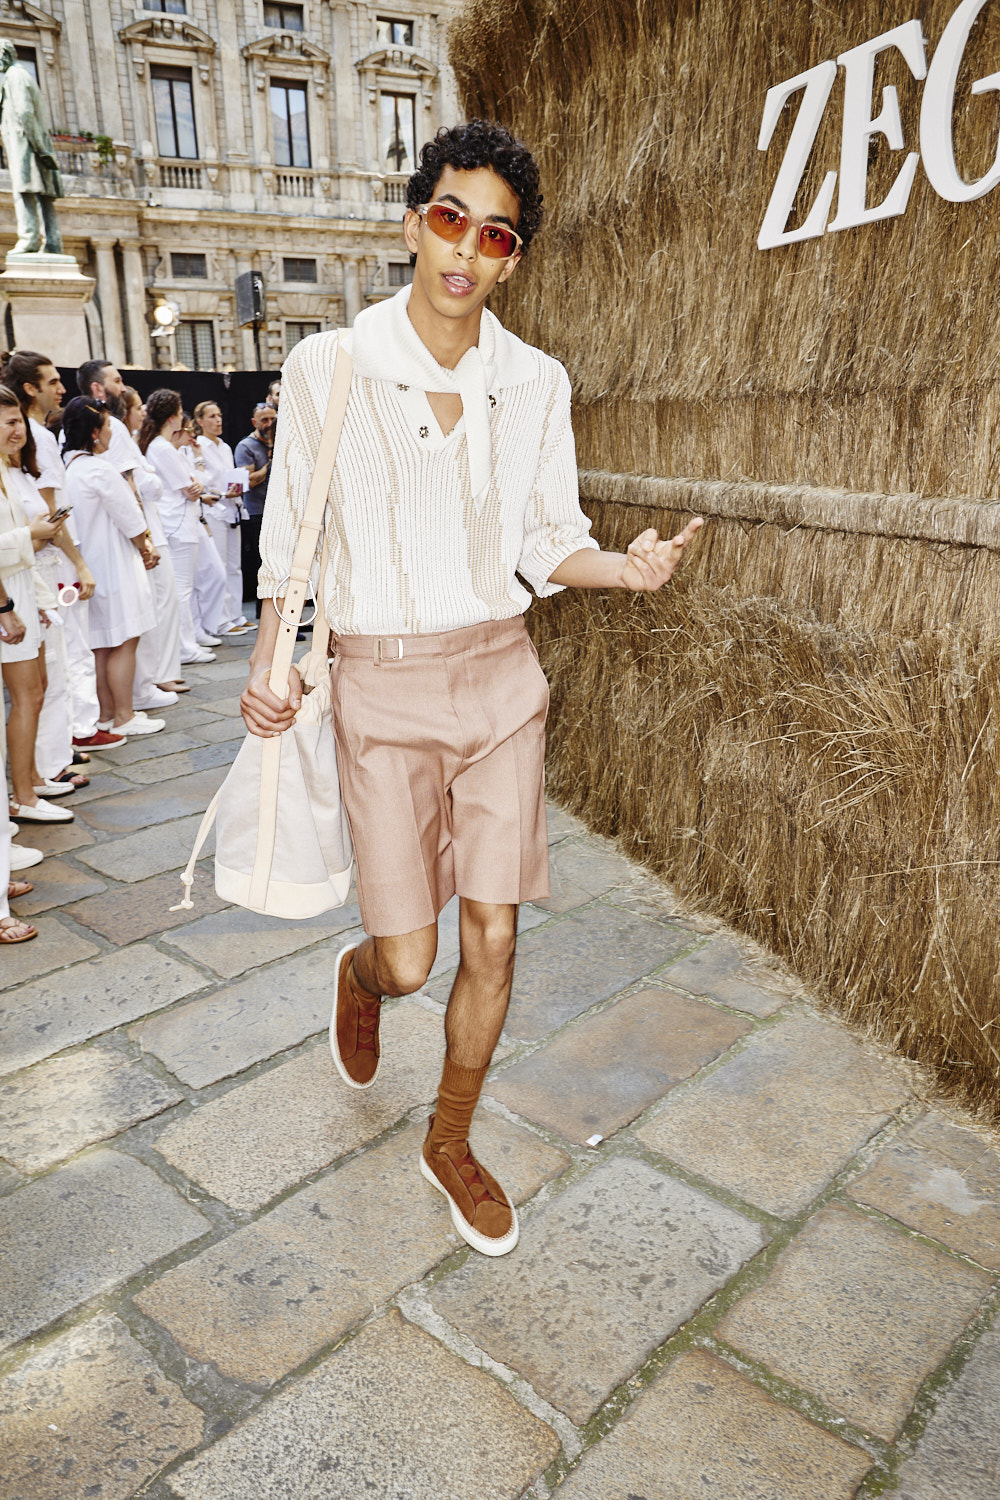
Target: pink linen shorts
(441, 754)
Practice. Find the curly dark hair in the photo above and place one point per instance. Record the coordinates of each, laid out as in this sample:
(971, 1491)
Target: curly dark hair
(481, 143)
(160, 407)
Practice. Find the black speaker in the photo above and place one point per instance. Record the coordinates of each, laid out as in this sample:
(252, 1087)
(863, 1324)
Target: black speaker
(251, 305)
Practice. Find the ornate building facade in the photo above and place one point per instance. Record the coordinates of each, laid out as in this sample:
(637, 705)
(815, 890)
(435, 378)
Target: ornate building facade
(199, 139)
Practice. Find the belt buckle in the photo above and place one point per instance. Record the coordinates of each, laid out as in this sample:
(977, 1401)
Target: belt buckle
(380, 654)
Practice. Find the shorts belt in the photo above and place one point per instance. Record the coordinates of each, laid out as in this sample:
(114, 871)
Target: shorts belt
(383, 650)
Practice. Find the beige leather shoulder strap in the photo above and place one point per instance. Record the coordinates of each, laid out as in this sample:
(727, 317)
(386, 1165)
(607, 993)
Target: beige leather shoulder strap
(302, 561)
(312, 522)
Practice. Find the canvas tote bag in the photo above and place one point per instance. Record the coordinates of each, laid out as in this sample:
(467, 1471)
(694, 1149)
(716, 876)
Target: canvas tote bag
(283, 847)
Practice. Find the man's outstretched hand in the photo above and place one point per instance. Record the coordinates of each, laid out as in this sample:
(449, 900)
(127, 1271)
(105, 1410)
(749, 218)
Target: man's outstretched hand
(650, 563)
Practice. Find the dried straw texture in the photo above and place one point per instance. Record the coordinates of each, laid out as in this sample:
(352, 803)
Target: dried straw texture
(803, 732)
(832, 794)
(868, 359)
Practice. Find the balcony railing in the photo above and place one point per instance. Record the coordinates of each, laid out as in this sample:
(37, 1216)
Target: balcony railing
(177, 175)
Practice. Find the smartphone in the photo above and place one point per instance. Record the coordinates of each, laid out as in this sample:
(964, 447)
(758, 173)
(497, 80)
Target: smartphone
(61, 514)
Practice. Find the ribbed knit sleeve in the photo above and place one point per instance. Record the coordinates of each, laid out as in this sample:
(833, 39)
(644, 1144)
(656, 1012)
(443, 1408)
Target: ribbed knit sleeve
(554, 525)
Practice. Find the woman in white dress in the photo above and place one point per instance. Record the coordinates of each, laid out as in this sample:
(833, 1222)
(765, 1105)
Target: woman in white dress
(222, 514)
(158, 658)
(178, 507)
(23, 672)
(113, 536)
(208, 598)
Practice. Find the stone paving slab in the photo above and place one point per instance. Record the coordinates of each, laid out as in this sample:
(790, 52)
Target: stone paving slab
(579, 870)
(703, 1430)
(603, 1274)
(232, 941)
(128, 913)
(83, 1230)
(55, 838)
(585, 958)
(598, 1075)
(859, 1314)
(274, 1293)
(104, 782)
(53, 1110)
(720, 971)
(268, 1133)
(138, 808)
(942, 1181)
(55, 882)
(561, 824)
(76, 1003)
(220, 752)
(90, 1415)
(54, 947)
(167, 742)
(391, 1414)
(958, 1455)
(187, 713)
(242, 1024)
(228, 708)
(9, 1179)
(151, 852)
(775, 1123)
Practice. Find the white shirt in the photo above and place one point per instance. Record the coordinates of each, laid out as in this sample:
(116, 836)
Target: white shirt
(411, 551)
(178, 514)
(50, 464)
(219, 465)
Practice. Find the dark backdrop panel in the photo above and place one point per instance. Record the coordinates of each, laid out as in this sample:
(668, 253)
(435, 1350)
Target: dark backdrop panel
(236, 393)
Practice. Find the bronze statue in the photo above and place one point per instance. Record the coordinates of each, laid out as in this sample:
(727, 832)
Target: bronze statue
(31, 158)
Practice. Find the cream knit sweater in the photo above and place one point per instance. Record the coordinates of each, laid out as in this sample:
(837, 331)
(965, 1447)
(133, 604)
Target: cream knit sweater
(410, 551)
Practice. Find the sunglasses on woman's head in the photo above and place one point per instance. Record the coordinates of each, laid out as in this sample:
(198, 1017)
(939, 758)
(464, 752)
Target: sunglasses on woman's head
(495, 241)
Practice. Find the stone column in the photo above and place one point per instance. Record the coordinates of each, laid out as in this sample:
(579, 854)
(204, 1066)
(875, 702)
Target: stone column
(345, 87)
(135, 303)
(352, 285)
(108, 296)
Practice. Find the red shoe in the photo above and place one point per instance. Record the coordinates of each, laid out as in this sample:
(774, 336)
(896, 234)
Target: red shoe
(100, 740)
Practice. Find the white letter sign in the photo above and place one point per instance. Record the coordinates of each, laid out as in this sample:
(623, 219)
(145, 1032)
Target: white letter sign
(817, 82)
(859, 127)
(937, 143)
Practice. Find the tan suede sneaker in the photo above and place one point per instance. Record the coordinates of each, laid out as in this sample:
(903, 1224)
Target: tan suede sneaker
(354, 1027)
(480, 1209)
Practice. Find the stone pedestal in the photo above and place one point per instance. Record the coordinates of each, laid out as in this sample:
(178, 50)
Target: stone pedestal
(47, 296)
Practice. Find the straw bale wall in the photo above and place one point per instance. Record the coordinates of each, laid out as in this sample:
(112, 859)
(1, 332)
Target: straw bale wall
(803, 732)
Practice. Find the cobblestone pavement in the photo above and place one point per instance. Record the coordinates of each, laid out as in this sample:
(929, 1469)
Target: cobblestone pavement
(756, 1260)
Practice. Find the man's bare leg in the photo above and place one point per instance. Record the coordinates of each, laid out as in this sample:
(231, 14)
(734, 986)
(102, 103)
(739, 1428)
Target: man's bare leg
(480, 1209)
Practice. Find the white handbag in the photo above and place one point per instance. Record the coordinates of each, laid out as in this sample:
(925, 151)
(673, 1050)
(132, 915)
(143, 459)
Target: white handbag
(283, 847)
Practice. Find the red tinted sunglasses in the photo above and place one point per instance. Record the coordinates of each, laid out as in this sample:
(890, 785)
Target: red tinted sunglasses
(496, 241)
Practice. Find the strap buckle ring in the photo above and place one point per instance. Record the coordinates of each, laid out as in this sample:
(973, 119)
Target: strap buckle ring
(311, 597)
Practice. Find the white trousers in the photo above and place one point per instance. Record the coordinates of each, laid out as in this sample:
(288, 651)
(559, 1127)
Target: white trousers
(81, 675)
(184, 556)
(54, 739)
(158, 655)
(208, 602)
(227, 542)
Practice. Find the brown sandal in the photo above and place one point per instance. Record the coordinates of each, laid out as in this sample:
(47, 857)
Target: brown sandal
(13, 930)
(18, 888)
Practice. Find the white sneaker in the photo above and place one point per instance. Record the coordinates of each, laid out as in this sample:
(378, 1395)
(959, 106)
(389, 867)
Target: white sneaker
(23, 858)
(200, 657)
(140, 724)
(208, 640)
(156, 698)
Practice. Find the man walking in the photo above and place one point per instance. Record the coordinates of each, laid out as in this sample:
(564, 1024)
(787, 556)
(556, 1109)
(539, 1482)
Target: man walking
(455, 474)
(254, 453)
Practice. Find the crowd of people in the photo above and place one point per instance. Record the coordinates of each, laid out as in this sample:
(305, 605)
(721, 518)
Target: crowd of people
(129, 540)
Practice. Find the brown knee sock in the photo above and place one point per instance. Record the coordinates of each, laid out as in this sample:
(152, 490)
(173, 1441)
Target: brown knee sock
(362, 996)
(458, 1095)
